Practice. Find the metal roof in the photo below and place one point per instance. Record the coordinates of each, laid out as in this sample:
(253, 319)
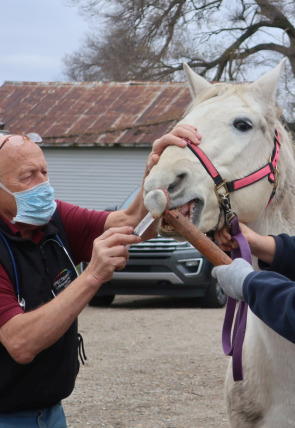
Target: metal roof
(93, 113)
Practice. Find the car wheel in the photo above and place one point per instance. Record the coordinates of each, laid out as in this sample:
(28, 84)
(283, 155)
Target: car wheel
(102, 300)
(215, 297)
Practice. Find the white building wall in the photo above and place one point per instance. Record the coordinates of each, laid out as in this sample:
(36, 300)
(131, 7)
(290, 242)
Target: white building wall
(95, 178)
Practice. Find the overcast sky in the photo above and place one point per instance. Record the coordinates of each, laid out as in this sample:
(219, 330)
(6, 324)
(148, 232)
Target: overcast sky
(35, 35)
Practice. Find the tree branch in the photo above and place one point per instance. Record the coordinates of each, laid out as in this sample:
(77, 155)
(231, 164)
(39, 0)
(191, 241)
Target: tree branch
(276, 17)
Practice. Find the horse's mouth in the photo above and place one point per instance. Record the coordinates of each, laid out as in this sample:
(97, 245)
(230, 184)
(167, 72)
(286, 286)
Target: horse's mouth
(190, 210)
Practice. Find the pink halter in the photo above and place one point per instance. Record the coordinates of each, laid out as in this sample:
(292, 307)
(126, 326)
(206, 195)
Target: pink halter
(270, 169)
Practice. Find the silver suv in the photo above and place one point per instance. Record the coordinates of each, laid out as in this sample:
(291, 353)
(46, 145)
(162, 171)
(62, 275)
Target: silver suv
(164, 267)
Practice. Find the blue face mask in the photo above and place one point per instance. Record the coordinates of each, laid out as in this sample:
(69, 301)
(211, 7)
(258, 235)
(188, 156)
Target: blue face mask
(34, 206)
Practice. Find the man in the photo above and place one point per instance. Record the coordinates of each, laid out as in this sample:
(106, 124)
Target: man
(41, 241)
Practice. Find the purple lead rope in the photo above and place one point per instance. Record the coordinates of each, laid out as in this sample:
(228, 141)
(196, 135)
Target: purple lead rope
(233, 342)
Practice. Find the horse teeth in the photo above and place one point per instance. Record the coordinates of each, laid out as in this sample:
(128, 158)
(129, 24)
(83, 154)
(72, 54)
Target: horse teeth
(168, 228)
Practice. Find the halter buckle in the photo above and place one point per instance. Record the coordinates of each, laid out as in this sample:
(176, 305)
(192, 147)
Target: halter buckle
(220, 197)
(276, 176)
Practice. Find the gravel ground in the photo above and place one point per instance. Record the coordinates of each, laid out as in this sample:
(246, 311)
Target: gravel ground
(151, 363)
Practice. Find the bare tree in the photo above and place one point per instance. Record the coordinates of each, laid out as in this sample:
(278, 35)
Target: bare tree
(150, 39)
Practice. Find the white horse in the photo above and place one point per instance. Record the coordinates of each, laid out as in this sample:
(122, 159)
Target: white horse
(237, 123)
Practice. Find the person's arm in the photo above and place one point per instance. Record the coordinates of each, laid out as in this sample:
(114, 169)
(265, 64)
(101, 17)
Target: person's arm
(283, 261)
(26, 335)
(81, 226)
(274, 253)
(271, 297)
(263, 247)
(136, 211)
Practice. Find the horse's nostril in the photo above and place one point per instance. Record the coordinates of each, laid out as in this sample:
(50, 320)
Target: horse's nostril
(179, 178)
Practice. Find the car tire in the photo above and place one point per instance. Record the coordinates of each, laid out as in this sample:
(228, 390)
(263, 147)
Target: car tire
(215, 297)
(102, 300)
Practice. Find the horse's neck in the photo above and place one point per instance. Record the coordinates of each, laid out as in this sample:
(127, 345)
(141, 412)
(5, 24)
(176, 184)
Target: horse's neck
(276, 219)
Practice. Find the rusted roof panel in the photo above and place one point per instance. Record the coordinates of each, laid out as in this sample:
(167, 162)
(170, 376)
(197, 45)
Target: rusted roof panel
(93, 113)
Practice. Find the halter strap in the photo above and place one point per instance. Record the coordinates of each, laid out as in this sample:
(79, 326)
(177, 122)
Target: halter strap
(205, 161)
(269, 169)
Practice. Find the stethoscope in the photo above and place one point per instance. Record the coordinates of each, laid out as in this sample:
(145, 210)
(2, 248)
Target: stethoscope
(20, 299)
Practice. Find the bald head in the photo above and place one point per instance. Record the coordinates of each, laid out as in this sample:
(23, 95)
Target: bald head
(17, 139)
(20, 157)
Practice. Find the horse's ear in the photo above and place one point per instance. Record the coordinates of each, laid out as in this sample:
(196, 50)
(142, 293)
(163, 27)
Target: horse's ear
(197, 83)
(268, 83)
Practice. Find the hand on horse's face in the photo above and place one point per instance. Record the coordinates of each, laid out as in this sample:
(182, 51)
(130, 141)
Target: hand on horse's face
(175, 137)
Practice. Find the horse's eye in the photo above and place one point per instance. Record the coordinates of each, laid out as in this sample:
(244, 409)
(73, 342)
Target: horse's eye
(243, 125)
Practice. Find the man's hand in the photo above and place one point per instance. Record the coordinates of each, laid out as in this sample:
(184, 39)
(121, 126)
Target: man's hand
(110, 252)
(231, 277)
(175, 137)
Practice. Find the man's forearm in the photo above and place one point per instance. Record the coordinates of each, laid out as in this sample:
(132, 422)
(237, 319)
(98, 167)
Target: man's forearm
(26, 335)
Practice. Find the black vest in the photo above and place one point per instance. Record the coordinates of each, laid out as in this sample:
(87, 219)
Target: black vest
(44, 269)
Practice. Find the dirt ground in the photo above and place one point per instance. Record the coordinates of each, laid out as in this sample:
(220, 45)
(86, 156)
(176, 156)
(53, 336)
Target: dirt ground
(151, 363)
